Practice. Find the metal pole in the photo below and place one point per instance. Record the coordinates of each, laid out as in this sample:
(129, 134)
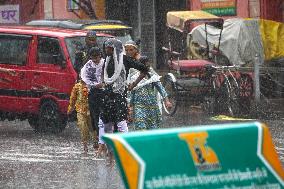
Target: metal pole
(256, 79)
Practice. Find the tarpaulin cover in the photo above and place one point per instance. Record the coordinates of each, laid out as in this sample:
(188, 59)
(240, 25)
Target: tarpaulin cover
(272, 34)
(242, 39)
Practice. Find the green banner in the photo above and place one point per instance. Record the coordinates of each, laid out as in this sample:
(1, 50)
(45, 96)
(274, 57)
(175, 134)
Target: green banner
(227, 11)
(217, 156)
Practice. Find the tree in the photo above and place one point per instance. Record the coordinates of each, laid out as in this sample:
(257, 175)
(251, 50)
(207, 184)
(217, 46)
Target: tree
(87, 7)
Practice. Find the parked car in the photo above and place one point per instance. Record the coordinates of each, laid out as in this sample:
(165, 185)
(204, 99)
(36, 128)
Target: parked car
(113, 27)
(43, 60)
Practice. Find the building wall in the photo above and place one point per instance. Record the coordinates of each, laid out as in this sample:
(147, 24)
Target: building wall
(60, 10)
(48, 9)
(29, 10)
(272, 9)
(100, 7)
(57, 9)
(254, 9)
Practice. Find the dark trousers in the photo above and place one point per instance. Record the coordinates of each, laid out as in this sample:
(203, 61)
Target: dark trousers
(96, 98)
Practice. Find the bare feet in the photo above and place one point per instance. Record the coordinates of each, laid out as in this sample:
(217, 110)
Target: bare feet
(85, 148)
(101, 151)
(110, 159)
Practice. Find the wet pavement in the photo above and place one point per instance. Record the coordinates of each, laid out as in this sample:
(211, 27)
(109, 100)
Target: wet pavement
(32, 160)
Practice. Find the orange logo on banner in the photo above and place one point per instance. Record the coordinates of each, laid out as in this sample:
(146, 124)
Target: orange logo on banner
(204, 157)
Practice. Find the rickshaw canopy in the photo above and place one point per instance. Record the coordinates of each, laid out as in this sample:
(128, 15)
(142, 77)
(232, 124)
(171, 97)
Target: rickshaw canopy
(180, 20)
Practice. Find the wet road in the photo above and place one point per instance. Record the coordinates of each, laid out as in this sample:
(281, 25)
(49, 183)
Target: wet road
(30, 160)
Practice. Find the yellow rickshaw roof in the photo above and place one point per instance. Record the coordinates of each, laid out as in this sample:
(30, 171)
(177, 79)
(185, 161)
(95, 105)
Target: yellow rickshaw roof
(178, 19)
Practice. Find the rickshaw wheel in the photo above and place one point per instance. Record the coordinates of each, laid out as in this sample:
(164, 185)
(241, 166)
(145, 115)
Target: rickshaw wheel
(246, 92)
(170, 87)
(228, 98)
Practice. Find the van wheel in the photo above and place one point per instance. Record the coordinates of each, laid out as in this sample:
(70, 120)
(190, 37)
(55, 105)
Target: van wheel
(50, 119)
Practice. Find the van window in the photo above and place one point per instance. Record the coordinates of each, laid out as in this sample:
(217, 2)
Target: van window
(48, 51)
(75, 44)
(78, 43)
(14, 49)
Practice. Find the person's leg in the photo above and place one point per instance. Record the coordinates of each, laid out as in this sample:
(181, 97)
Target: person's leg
(101, 149)
(94, 111)
(108, 128)
(115, 129)
(121, 112)
(101, 131)
(92, 133)
(84, 130)
(109, 115)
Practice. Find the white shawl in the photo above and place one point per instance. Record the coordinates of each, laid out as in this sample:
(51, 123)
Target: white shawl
(117, 80)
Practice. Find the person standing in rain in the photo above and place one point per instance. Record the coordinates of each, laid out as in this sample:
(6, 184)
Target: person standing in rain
(79, 101)
(116, 69)
(145, 97)
(81, 55)
(91, 74)
(79, 94)
(115, 72)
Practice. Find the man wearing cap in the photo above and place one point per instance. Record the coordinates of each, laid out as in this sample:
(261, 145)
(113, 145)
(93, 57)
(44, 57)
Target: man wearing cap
(82, 55)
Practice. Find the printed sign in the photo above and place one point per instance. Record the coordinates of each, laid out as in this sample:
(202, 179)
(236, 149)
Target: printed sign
(217, 156)
(219, 7)
(9, 14)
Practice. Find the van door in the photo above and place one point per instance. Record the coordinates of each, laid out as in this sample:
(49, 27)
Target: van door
(52, 77)
(14, 51)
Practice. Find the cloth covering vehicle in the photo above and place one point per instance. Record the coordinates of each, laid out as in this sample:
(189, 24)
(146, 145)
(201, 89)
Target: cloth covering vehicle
(242, 40)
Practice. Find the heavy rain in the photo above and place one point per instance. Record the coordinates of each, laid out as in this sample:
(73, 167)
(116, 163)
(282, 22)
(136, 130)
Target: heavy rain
(72, 71)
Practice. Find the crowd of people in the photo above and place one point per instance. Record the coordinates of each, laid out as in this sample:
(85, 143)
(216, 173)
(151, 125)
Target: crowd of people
(115, 86)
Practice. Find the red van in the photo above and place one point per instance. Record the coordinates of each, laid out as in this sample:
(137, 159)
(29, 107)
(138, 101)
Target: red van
(43, 59)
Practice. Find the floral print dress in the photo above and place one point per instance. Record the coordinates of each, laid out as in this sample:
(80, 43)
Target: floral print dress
(146, 111)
